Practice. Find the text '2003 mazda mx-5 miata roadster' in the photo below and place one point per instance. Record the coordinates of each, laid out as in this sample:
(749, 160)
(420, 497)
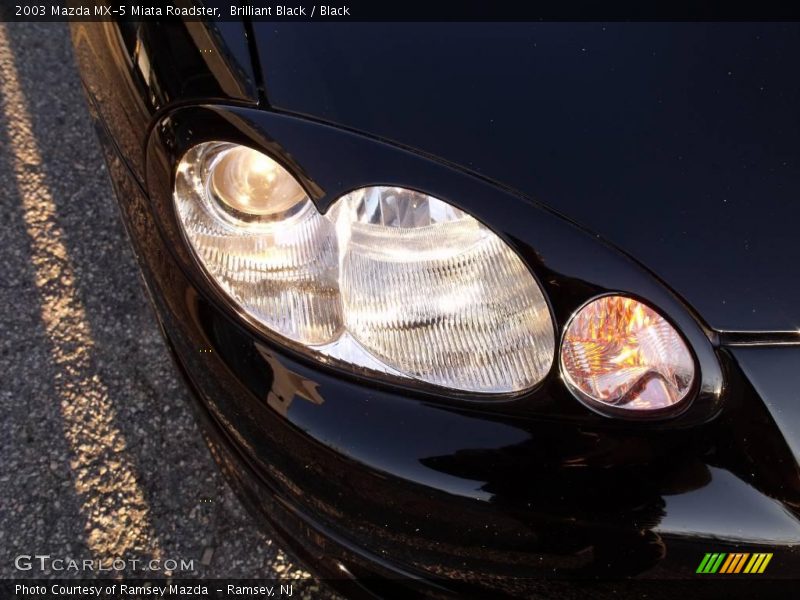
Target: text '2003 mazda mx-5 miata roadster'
(477, 304)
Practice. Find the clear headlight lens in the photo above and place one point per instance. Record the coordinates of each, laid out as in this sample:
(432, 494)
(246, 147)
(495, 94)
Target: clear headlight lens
(261, 239)
(619, 352)
(433, 293)
(390, 279)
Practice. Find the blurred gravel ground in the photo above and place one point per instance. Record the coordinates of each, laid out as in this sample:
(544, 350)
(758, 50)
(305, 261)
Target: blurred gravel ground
(44, 506)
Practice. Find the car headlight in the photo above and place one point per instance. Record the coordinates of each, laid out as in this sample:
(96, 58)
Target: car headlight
(618, 352)
(389, 279)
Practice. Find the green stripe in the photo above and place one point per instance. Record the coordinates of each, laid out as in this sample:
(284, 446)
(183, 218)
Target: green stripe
(710, 563)
(718, 563)
(701, 568)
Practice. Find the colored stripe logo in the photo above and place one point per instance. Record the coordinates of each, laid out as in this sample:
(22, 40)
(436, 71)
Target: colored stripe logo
(737, 562)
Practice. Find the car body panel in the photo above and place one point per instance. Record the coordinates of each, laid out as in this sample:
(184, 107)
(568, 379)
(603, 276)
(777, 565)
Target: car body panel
(365, 477)
(502, 485)
(775, 375)
(408, 486)
(677, 142)
(128, 80)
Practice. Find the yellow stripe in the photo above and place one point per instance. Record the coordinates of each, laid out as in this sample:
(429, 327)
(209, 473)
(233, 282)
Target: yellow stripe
(741, 562)
(765, 563)
(753, 564)
(727, 562)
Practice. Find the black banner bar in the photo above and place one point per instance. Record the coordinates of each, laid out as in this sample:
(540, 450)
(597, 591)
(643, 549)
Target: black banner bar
(396, 10)
(233, 589)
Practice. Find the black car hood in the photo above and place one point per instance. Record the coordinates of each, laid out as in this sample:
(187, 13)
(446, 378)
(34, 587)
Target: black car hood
(678, 143)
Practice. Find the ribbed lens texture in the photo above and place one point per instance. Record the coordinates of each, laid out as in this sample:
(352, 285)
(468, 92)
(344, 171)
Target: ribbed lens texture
(436, 295)
(282, 272)
(390, 279)
(617, 351)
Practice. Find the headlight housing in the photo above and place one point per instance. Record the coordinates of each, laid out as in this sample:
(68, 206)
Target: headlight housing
(389, 279)
(573, 266)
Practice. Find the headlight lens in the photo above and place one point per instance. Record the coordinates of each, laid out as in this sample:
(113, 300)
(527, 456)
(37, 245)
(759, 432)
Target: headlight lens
(389, 279)
(262, 241)
(619, 352)
(432, 292)
(251, 185)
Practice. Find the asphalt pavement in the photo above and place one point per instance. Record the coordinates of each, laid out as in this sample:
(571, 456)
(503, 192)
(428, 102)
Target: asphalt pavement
(99, 453)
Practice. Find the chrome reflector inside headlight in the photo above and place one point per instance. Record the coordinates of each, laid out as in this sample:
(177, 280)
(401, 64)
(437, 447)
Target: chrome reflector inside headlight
(389, 279)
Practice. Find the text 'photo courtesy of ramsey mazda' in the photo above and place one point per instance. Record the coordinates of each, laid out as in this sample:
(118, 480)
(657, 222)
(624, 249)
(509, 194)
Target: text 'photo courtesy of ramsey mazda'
(476, 309)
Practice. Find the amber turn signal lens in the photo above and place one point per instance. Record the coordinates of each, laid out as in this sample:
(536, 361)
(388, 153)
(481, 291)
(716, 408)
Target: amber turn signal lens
(618, 352)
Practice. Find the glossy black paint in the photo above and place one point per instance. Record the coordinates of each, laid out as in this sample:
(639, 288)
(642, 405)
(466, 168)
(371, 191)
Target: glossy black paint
(133, 69)
(677, 142)
(437, 491)
(775, 376)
